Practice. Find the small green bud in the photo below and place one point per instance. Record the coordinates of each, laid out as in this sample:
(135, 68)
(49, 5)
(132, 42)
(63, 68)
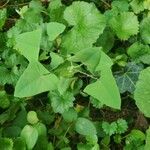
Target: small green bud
(32, 117)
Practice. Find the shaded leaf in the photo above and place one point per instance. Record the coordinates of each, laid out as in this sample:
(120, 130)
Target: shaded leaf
(127, 79)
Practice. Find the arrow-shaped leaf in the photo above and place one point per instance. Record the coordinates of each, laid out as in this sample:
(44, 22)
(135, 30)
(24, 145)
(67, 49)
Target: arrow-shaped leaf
(35, 79)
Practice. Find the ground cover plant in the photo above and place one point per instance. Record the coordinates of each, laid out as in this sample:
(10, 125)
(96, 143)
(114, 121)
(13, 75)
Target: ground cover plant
(74, 75)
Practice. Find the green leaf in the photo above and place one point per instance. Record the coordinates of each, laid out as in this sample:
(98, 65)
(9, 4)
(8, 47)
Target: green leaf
(135, 136)
(12, 131)
(56, 60)
(30, 135)
(85, 127)
(147, 145)
(146, 4)
(144, 31)
(4, 101)
(70, 115)
(19, 144)
(127, 79)
(122, 126)
(3, 17)
(89, 57)
(54, 29)
(125, 25)
(94, 58)
(87, 24)
(109, 129)
(139, 52)
(56, 11)
(137, 6)
(120, 5)
(106, 40)
(41, 128)
(142, 92)
(35, 79)
(28, 44)
(6, 144)
(61, 103)
(105, 90)
(32, 117)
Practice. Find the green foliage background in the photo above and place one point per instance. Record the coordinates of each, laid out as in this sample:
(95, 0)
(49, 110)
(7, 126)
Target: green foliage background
(74, 74)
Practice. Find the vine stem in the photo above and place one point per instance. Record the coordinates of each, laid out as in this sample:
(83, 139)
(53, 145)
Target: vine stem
(13, 5)
(4, 4)
(88, 75)
(107, 4)
(64, 134)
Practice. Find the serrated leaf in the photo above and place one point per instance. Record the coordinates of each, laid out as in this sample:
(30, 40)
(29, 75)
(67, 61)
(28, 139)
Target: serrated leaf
(109, 128)
(28, 44)
(61, 103)
(144, 30)
(125, 25)
(120, 5)
(85, 127)
(87, 24)
(6, 144)
(70, 115)
(139, 52)
(122, 126)
(104, 90)
(137, 6)
(30, 135)
(127, 79)
(54, 29)
(142, 92)
(35, 79)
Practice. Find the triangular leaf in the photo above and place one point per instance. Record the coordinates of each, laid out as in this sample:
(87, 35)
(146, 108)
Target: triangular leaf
(89, 57)
(94, 58)
(54, 29)
(28, 44)
(105, 90)
(35, 79)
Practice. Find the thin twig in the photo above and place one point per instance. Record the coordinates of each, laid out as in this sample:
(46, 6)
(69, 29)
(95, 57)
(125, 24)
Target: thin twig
(4, 4)
(107, 4)
(88, 75)
(14, 5)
